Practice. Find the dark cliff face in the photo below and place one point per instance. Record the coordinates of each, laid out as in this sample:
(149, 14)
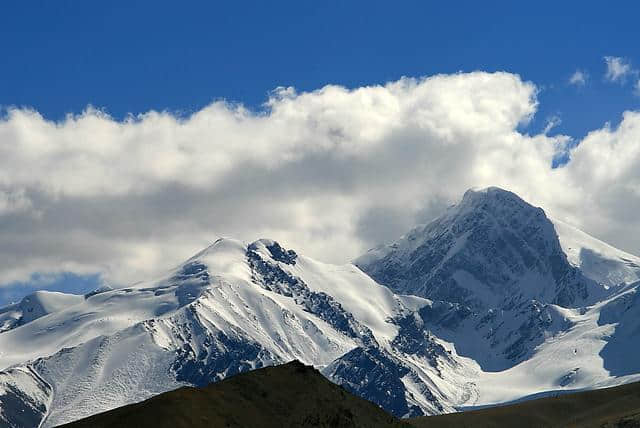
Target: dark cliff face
(24, 398)
(367, 371)
(272, 277)
(491, 250)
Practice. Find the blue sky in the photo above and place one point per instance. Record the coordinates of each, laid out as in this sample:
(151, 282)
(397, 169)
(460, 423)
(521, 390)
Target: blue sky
(60, 215)
(132, 56)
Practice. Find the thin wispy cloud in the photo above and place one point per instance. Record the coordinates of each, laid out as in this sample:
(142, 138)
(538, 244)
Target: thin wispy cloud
(579, 78)
(618, 69)
(552, 122)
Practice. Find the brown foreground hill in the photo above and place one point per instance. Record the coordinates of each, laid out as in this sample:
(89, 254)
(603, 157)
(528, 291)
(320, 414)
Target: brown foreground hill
(295, 395)
(609, 407)
(289, 395)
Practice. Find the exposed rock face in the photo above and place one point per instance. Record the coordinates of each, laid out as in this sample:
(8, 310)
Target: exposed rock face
(493, 264)
(491, 250)
(24, 398)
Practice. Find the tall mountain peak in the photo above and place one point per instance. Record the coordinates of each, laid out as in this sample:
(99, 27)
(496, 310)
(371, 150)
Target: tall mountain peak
(492, 249)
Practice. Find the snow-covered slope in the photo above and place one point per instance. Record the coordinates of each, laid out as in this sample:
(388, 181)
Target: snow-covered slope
(516, 293)
(596, 259)
(503, 314)
(34, 306)
(232, 307)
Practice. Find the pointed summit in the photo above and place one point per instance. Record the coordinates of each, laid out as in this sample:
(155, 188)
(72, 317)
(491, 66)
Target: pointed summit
(492, 249)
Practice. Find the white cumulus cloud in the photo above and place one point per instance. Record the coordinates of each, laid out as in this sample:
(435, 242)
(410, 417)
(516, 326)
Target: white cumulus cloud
(330, 173)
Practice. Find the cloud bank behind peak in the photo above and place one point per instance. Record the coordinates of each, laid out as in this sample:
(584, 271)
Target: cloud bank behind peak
(330, 172)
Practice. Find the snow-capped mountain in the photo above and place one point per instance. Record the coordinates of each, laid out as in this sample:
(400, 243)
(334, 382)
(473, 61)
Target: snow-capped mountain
(34, 306)
(483, 305)
(501, 279)
(597, 260)
(231, 308)
(491, 250)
